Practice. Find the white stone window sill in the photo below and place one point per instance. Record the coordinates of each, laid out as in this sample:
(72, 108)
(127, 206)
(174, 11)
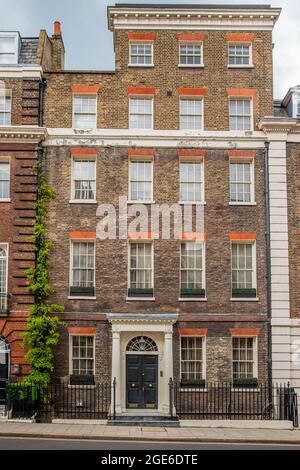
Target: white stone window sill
(141, 298)
(141, 65)
(140, 202)
(82, 201)
(5, 200)
(241, 66)
(191, 66)
(244, 299)
(194, 203)
(81, 298)
(242, 203)
(200, 299)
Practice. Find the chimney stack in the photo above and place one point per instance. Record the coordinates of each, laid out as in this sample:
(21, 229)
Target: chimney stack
(58, 49)
(57, 28)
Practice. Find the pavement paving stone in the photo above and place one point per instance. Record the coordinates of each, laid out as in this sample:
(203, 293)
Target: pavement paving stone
(147, 433)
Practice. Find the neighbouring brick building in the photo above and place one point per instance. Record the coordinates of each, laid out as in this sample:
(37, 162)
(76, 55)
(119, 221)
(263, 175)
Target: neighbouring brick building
(22, 61)
(177, 122)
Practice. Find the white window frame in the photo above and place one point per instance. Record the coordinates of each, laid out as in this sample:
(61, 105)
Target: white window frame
(141, 43)
(255, 354)
(238, 66)
(71, 335)
(80, 240)
(6, 93)
(252, 202)
(7, 161)
(5, 246)
(191, 98)
(140, 201)
(84, 95)
(203, 355)
(141, 97)
(199, 161)
(203, 280)
(296, 105)
(191, 43)
(254, 269)
(15, 54)
(82, 158)
(129, 267)
(242, 98)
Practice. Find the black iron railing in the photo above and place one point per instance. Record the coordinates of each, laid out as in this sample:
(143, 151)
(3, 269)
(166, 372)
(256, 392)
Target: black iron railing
(4, 304)
(60, 401)
(226, 401)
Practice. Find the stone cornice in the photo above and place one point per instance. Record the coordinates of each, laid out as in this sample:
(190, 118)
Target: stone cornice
(153, 138)
(142, 318)
(193, 19)
(280, 125)
(30, 71)
(23, 134)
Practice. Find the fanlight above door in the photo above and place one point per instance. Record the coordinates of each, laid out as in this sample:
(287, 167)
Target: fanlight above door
(141, 344)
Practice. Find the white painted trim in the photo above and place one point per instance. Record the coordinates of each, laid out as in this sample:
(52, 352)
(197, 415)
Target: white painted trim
(84, 95)
(242, 66)
(192, 19)
(71, 350)
(6, 247)
(142, 97)
(242, 98)
(174, 138)
(255, 354)
(203, 354)
(17, 43)
(21, 72)
(203, 280)
(199, 161)
(182, 42)
(192, 98)
(143, 299)
(140, 42)
(254, 267)
(140, 160)
(251, 161)
(79, 240)
(128, 267)
(202, 299)
(244, 299)
(75, 158)
(7, 159)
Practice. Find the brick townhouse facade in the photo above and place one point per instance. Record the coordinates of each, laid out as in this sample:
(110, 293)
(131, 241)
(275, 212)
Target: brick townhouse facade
(22, 61)
(182, 121)
(175, 123)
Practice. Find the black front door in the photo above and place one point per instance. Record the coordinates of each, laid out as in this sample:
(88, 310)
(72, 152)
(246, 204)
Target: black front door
(141, 381)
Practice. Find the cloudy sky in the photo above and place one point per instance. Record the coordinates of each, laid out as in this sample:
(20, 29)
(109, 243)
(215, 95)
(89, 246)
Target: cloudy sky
(89, 43)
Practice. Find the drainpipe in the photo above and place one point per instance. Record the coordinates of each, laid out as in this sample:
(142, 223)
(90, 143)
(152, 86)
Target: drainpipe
(268, 263)
(41, 102)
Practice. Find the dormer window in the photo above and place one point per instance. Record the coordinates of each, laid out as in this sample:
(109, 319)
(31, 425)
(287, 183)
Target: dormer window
(298, 107)
(9, 48)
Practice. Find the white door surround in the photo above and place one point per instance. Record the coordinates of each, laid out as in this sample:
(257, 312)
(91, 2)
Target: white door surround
(158, 327)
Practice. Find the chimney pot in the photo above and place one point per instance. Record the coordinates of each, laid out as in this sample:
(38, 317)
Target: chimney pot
(57, 28)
